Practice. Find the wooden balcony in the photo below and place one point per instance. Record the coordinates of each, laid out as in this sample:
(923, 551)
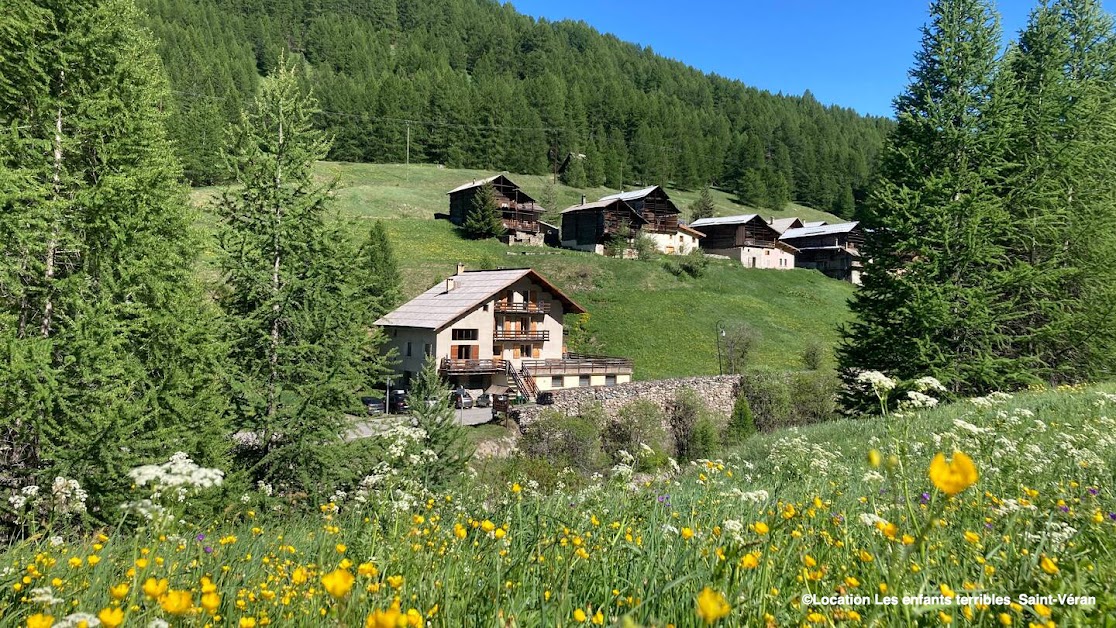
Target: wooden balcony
(513, 335)
(580, 364)
(451, 367)
(526, 226)
(522, 308)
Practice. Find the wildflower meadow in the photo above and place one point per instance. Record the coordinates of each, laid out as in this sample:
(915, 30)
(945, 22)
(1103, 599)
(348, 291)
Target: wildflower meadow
(990, 511)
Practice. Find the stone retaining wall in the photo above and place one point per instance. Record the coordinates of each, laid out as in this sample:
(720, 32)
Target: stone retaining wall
(717, 392)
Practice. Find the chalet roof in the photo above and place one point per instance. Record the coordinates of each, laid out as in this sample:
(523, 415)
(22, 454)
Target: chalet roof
(603, 204)
(815, 223)
(547, 224)
(436, 308)
(631, 195)
(807, 232)
(724, 220)
(690, 230)
(782, 224)
(476, 183)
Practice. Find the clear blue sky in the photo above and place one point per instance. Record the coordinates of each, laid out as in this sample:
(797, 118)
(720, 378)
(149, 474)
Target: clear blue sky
(853, 53)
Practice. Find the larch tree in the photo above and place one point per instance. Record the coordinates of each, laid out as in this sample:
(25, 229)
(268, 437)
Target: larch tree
(1061, 192)
(703, 207)
(301, 342)
(109, 353)
(934, 299)
(482, 218)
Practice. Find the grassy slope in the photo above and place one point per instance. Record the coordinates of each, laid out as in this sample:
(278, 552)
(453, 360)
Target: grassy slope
(637, 309)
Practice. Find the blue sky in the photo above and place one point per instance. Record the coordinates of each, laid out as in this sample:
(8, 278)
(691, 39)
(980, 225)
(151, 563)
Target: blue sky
(853, 53)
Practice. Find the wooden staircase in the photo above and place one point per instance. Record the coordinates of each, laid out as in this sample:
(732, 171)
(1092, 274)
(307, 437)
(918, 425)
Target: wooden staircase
(524, 383)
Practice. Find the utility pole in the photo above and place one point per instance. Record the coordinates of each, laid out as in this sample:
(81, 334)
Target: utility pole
(408, 142)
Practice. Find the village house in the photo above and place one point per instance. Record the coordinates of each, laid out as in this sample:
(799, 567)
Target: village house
(661, 215)
(520, 212)
(832, 249)
(782, 224)
(593, 226)
(748, 239)
(493, 330)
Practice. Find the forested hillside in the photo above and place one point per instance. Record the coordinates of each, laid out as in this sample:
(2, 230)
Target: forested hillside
(472, 83)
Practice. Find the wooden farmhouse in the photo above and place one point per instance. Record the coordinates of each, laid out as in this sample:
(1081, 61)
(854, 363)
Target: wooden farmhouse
(832, 249)
(520, 211)
(591, 226)
(494, 330)
(782, 224)
(661, 216)
(748, 239)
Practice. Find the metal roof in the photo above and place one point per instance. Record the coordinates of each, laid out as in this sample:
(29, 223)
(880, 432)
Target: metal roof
(476, 183)
(782, 224)
(603, 204)
(437, 307)
(806, 232)
(690, 230)
(815, 223)
(630, 196)
(724, 220)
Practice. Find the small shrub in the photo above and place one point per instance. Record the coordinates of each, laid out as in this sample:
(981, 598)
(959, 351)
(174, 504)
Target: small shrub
(690, 421)
(573, 441)
(769, 398)
(645, 248)
(738, 343)
(741, 423)
(814, 396)
(791, 398)
(692, 264)
(704, 440)
(637, 424)
(813, 355)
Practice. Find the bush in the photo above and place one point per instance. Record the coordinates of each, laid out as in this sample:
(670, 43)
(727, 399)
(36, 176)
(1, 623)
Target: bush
(738, 342)
(692, 264)
(690, 424)
(573, 441)
(645, 247)
(783, 399)
(741, 424)
(813, 355)
(636, 424)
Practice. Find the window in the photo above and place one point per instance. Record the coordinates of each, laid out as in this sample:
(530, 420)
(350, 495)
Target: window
(610, 380)
(464, 334)
(485, 307)
(428, 349)
(407, 352)
(464, 352)
(525, 351)
(496, 352)
(583, 380)
(556, 381)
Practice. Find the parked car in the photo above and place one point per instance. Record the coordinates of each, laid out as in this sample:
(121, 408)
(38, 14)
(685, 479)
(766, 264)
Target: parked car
(545, 399)
(373, 406)
(484, 400)
(461, 399)
(397, 402)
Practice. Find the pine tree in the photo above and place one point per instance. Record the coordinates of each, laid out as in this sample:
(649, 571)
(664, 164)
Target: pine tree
(445, 437)
(483, 218)
(379, 279)
(1061, 192)
(703, 207)
(574, 174)
(932, 301)
(109, 349)
(299, 329)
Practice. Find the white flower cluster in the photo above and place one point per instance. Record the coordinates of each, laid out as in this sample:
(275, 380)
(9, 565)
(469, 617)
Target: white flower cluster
(733, 529)
(1056, 533)
(924, 384)
(67, 495)
(916, 399)
(970, 428)
(796, 455)
(991, 399)
(749, 497)
(74, 620)
(879, 382)
(179, 472)
(44, 595)
(871, 475)
(870, 519)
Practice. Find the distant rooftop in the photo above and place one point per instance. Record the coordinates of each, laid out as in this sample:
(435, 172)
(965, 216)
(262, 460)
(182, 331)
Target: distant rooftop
(723, 220)
(438, 307)
(630, 196)
(782, 224)
(475, 183)
(806, 232)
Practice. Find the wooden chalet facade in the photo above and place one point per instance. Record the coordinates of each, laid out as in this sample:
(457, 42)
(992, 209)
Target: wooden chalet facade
(747, 238)
(832, 249)
(520, 212)
(661, 218)
(591, 226)
(495, 330)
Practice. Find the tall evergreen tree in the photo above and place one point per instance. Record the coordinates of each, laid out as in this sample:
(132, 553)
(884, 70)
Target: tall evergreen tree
(445, 437)
(933, 299)
(702, 207)
(378, 279)
(483, 218)
(299, 329)
(108, 349)
(1061, 192)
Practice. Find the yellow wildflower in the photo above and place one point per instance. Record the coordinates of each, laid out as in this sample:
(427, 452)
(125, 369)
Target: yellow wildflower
(154, 588)
(395, 582)
(247, 622)
(40, 620)
(579, 615)
(111, 617)
(954, 476)
(338, 583)
(1048, 565)
(760, 527)
(368, 569)
(749, 560)
(712, 606)
(176, 602)
(210, 601)
(972, 537)
(687, 533)
(119, 592)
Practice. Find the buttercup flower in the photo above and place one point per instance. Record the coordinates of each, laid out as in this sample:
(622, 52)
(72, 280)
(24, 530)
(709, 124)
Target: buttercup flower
(954, 476)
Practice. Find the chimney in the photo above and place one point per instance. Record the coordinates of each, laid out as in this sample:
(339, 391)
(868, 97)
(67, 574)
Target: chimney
(582, 199)
(771, 221)
(449, 284)
(460, 268)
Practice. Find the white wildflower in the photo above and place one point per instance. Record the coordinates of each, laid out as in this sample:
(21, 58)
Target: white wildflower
(74, 620)
(969, 427)
(44, 595)
(924, 384)
(916, 399)
(879, 382)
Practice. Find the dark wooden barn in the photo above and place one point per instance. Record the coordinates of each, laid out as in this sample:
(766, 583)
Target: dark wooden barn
(520, 212)
(727, 232)
(654, 206)
(590, 226)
